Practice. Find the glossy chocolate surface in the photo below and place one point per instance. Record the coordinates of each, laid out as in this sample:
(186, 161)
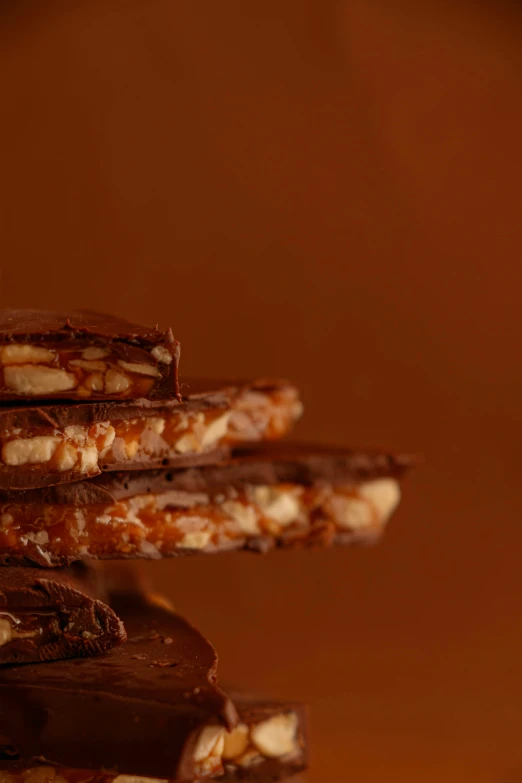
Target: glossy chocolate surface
(137, 710)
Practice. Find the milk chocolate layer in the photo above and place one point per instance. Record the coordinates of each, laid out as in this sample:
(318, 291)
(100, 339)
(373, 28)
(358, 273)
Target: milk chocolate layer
(52, 444)
(273, 495)
(45, 617)
(148, 708)
(83, 355)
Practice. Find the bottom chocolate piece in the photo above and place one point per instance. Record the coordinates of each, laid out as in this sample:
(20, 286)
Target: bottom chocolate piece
(149, 707)
(268, 744)
(45, 616)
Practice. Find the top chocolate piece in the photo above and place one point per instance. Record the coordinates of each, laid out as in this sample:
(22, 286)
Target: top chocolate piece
(84, 355)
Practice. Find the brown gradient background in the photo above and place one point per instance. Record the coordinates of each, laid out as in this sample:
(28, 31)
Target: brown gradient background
(329, 191)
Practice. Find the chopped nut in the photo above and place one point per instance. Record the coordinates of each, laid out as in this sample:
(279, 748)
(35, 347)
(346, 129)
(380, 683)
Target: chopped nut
(29, 450)
(88, 365)
(187, 443)
(116, 382)
(276, 736)
(236, 742)
(6, 632)
(140, 369)
(88, 459)
(351, 513)
(94, 382)
(216, 430)
(278, 504)
(162, 354)
(25, 354)
(36, 380)
(198, 539)
(156, 424)
(107, 441)
(210, 743)
(384, 494)
(131, 449)
(66, 457)
(94, 353)
(245, 516)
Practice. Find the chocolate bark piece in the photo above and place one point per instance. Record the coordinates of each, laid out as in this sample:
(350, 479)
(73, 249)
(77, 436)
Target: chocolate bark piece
(53, 615)
(150, 707)
(51, 444)
(273, 495)
(83, 355)
(268, 744)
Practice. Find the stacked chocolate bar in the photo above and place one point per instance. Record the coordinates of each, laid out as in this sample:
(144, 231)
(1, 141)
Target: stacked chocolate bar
(105, 456)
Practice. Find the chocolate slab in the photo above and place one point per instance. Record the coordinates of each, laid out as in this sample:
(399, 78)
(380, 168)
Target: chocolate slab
(83, 354)
(268, 744)
(273, 495)
(45, 617)
(51, 444)
(143, 709)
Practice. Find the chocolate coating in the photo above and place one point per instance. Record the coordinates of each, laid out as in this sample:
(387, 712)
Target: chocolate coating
(86, 328)
(273, 463)
(137, 710)
(57, 616)
(66, 326)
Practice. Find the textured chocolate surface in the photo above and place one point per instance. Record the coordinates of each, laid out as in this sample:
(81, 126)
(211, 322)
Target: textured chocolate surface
(16, 324)
(137, 710)
(200, 396)
(86, 328)
(266, 464)
(54, 615)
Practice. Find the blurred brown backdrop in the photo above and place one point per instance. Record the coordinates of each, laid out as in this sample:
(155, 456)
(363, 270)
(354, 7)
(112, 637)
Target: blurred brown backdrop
(329, 191)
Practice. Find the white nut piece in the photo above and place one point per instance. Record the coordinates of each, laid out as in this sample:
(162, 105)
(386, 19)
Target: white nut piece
(197, 539)
(210, 743)
(131, 449)
(94, 382)
(216, 430)
(116, 382)
(33, 380)
(6, 631)
(276, 736)
(244, 516)
(140, 369)
(156, 424)
(236, 742)
(384, 494)
(66, 457)
(30, 451)
(351, 513)
(88, 459)
(187, 443)
(25, 354)
(108, 440)
(94, 353)
(281, 505)
(162, 354)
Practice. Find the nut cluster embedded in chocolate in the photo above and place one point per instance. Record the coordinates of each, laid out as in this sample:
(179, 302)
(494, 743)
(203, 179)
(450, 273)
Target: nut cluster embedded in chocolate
(105, 456)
